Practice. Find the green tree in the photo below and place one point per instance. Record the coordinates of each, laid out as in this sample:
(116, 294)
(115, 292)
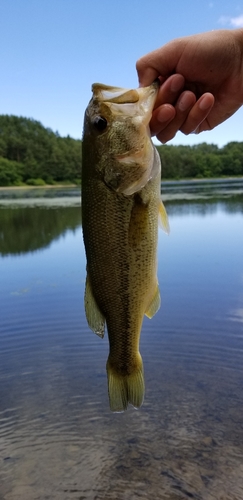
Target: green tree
(43, 153)
(10, 172)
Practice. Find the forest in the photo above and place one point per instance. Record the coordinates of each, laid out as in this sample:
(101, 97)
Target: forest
(35, 155)
(31, 154)
(201, 161)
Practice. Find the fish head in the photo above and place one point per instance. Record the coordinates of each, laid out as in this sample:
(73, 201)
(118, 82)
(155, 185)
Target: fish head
(116, 132)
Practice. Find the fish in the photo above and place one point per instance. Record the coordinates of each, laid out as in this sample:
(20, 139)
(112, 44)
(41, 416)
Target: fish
(121, 204)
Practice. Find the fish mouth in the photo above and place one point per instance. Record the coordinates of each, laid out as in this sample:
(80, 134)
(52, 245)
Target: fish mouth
(134, 102)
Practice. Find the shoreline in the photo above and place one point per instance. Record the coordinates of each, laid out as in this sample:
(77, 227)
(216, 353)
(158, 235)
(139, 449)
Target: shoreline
(163, 181)
(46, 186)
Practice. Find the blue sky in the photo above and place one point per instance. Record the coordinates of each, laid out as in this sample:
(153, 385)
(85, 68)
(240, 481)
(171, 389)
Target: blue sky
(53, 50)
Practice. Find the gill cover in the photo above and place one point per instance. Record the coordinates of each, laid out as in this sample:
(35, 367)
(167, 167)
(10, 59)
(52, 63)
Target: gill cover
(131, 160)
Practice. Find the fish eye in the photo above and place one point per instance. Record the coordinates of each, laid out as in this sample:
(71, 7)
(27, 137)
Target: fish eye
(100, 123)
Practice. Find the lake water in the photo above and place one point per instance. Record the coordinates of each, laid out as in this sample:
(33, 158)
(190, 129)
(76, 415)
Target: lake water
(58, 438)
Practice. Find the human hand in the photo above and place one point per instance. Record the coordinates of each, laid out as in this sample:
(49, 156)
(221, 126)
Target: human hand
(202, 82)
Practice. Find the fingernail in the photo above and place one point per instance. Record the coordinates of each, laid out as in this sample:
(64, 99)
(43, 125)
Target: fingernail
(185, 102)
(147, 77)
(165, 114)
(205, 103)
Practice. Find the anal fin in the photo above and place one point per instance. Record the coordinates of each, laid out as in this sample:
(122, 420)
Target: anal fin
(95, 318)
(154, 304)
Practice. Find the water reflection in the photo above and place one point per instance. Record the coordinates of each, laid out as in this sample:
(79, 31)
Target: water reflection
(205, 207)
(27, 229)
(204, 189)
(58, 439)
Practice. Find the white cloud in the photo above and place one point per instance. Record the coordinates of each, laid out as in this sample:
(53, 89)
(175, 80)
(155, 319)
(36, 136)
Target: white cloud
(224, 20)
(237, 22)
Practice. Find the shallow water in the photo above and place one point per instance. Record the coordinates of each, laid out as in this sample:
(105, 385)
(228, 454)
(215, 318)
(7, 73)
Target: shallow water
(58, 438)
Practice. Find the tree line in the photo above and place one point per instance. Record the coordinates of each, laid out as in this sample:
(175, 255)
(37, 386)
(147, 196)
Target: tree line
(35, 155)
(201, 161)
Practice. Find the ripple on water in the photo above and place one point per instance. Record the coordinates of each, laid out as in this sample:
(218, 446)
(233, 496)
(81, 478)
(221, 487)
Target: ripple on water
(59, 440)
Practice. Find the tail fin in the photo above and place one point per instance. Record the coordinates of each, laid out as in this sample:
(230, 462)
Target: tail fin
(125, 389)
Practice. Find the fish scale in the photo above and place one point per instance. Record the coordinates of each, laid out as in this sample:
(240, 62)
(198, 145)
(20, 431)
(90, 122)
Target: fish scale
(120, 234)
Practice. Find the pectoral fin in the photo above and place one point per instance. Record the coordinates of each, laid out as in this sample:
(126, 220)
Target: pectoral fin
(154, 304)
(95, 318)
(163, 218)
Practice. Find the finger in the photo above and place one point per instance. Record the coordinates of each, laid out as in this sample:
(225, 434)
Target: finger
(146, 75)
(164, 112)
(198, 114)
(170, 90)
(183, 106)
(160, 62)
(161, 117)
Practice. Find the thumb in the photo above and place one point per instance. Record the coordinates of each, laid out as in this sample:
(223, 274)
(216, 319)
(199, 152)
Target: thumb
(146, 74)
(161, 62)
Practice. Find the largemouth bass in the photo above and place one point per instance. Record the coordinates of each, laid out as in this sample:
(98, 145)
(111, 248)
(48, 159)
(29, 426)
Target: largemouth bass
(121, 176)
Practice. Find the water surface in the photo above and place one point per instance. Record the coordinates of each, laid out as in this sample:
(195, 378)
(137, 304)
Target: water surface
(58, 438)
